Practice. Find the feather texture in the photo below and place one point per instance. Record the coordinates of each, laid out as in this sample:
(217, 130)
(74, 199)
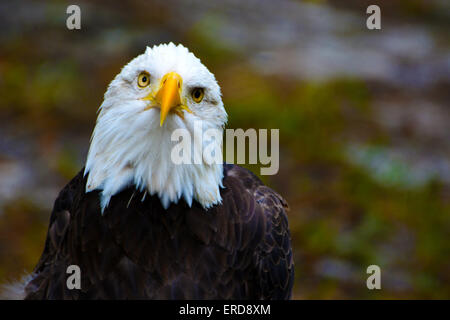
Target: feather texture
(239, 249)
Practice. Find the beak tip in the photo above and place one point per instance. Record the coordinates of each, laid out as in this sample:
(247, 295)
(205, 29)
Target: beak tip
(168, 95)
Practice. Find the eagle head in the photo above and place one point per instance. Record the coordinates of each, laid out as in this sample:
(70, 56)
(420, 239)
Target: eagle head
(164, 89)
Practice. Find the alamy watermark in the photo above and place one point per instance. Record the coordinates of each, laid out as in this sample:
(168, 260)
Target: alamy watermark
(74, 280)
(373, 22)
(73, 21)
(374, 280)
(206, 146)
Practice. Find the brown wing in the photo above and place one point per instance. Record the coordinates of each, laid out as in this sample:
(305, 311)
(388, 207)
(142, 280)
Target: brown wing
(273, 255)
(240, 249)
(49, 275)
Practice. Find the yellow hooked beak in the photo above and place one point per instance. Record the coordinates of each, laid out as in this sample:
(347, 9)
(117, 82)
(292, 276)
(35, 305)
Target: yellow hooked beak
(168, 96)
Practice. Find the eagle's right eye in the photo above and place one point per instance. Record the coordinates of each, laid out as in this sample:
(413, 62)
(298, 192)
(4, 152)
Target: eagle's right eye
(143, 79)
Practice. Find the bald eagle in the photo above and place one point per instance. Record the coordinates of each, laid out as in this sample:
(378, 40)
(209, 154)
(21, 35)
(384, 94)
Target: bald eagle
(139, 226)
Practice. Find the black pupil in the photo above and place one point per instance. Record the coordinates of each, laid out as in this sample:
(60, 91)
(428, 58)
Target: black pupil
(197, 94)
(144, 79)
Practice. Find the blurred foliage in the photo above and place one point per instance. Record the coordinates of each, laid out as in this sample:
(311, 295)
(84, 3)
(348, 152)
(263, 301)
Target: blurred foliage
(344, 216)
(23, 227)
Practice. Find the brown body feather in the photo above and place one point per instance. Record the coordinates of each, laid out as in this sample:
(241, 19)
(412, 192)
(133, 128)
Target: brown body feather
(137, 250)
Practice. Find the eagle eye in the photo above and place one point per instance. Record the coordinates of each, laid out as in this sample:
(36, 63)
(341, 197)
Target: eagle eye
(197, 94)
(143, 79)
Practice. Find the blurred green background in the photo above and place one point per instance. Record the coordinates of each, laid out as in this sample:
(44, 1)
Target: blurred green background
(363, 118)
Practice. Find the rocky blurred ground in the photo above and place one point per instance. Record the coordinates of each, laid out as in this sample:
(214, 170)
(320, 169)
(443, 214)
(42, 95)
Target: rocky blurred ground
(363, 118)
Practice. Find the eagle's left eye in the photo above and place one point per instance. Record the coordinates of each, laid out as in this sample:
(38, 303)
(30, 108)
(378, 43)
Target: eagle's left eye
(143, 79)
(197, 94)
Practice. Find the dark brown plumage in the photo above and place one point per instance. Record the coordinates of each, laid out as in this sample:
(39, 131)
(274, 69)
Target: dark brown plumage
(137, 250)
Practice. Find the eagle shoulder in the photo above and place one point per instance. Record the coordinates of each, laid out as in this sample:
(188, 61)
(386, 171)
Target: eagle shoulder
(260, 205)
(54, 255)
(137, 249)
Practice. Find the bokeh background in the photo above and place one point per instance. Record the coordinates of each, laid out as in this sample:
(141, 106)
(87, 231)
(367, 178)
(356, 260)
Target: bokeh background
(363, 117)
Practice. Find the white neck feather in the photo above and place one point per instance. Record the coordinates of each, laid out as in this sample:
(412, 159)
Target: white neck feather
(119, 157)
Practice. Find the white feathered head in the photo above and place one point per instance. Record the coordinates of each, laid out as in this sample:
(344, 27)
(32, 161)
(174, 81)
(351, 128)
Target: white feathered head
(164, 89)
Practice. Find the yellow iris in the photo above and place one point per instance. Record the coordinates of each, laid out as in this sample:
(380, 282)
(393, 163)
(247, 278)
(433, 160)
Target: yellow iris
(198, 94)
(143, 80)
